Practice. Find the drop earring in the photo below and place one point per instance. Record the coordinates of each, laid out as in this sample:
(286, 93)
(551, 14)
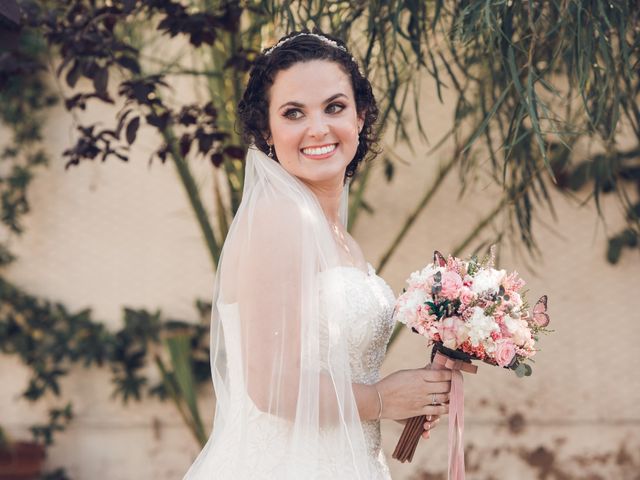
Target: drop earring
(270, 151)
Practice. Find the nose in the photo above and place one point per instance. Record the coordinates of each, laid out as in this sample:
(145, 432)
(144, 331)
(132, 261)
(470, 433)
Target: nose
(318, 126)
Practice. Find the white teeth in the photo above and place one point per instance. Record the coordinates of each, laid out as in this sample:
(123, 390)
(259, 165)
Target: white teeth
(319, 151)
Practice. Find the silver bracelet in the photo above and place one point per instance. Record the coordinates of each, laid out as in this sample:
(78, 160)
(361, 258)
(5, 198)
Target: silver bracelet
(380, 400)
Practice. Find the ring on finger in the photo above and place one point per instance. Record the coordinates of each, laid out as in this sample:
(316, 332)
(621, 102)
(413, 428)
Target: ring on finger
(433, 399)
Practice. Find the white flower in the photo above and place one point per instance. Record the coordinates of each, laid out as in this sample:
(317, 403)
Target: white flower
(515, 299)
(408, 305)
(488, 280)
(518, 329)
(522, 335)
(512, 323)
(421, 276)
(415, 278)
(489, 346)
(480, 326)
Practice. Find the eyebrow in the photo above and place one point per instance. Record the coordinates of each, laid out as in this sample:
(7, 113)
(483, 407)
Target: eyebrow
(298, 104)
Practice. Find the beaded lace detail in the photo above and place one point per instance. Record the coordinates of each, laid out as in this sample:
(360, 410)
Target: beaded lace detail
(368, 322)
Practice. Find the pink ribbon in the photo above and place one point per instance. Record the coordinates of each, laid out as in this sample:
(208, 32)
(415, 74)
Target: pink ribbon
(456, 411)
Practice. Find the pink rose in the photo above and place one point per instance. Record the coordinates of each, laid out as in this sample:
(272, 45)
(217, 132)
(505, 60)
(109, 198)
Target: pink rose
(451, 330)
(466, 296)
(505, 351)
(451, 285)
(424, 313)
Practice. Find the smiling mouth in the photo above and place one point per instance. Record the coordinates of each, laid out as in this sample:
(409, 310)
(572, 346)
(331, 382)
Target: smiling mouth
(319, 151)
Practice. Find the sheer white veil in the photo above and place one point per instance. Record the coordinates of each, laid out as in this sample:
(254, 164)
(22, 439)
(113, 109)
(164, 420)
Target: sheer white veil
(279, 361)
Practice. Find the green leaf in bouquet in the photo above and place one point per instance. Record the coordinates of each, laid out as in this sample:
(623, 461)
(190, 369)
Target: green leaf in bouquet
(473, 265)
(523, 370)
(433, 307)
(444, 305)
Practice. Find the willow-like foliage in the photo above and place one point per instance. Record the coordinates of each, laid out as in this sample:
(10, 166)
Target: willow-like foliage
(531, 81)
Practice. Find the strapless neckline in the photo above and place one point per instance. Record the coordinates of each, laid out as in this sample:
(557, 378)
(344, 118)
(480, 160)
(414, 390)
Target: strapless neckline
(371, 272)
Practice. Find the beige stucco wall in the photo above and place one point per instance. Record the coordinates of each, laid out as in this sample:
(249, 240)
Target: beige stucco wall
(111, 235)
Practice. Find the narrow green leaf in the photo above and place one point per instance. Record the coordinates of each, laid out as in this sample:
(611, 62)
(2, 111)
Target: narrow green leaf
(480, 130)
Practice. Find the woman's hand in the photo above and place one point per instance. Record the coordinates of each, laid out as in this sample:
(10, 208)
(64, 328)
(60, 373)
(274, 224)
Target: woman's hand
(431, 423)
(415, 392)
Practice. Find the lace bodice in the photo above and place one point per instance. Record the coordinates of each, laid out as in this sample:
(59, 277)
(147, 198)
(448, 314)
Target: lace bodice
(368, 322)
(367, 317)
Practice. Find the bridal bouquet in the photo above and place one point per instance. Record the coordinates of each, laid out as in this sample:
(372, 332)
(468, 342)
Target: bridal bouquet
(467, 309)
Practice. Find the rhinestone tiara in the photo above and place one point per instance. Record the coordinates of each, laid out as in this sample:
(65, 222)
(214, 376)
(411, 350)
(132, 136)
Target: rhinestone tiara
(319, 37)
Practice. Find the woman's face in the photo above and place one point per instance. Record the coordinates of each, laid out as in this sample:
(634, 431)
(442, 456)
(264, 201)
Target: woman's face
(313, 121)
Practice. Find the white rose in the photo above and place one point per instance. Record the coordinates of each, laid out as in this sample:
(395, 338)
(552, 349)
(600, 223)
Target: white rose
(480, 326)
(488, 280)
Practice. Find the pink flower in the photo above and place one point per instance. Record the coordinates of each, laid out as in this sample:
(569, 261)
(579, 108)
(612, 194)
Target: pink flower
(424, 313)
(452, 332)
(451, 285)
(512, 282)
(505, 351)
(515, 299)
(453, 264)
(467, 296)
(504, 330)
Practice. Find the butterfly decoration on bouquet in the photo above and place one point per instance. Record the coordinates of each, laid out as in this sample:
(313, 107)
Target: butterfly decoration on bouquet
(468, 310)
(472, 307)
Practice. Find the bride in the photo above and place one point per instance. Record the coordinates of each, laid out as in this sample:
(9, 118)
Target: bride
(300, 321)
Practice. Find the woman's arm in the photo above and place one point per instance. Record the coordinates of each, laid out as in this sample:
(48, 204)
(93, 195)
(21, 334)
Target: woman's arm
(405, 394)
(367, 401)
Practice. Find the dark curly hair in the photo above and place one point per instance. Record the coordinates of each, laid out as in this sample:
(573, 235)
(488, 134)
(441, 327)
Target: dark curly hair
(253, 108)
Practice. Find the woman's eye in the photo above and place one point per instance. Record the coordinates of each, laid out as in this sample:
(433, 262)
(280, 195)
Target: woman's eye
(290, 113)
(339, 105)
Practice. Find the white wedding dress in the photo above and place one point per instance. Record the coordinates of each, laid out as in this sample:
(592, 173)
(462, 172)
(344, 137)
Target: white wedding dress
(368, 323)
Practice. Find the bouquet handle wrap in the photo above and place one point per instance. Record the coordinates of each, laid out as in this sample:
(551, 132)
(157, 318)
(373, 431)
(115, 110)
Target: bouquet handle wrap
(442, 358)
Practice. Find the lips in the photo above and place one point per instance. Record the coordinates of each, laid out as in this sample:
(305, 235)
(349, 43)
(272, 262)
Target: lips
(319, 151)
